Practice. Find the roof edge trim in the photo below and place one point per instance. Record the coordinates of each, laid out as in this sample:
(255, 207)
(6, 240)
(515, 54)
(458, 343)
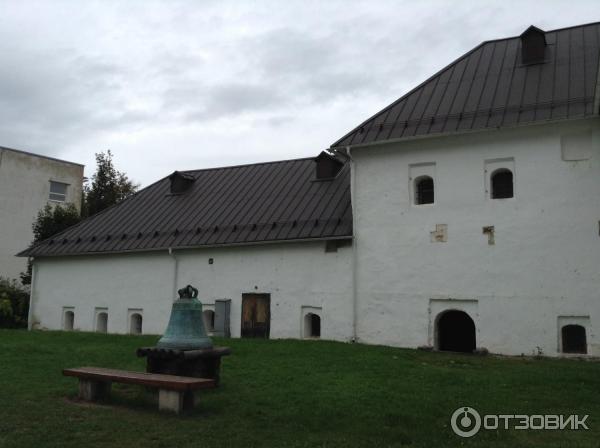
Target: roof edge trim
(207, 246)
(342, 149)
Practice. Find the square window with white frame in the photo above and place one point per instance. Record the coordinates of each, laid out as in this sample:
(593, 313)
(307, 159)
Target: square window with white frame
(58, 191)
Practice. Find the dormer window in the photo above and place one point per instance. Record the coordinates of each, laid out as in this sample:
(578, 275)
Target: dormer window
(533, 46)
(180, 182)
(327, 166)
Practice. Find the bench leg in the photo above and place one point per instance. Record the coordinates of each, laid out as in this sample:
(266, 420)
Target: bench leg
(93, 390)
(176, 401)
(191, 399)
(170, 400)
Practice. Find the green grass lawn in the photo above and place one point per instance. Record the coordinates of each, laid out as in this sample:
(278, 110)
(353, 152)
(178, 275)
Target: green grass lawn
(289, 393)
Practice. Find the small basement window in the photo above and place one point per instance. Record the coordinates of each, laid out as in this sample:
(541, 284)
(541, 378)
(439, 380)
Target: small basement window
(69, 320)
(209, 320)
(312, 326)
(573, 339)
(102, 322)
(135, 324)
(502, 184)
(424, 191)
(58, 191)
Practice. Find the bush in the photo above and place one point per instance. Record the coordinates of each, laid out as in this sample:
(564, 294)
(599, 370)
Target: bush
(14, 304)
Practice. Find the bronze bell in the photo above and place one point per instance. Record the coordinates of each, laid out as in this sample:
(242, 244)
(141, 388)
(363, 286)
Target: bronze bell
(186, 325)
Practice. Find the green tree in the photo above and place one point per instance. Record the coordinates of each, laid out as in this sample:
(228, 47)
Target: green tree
(49, 221)
(54, 219)
(108, 186)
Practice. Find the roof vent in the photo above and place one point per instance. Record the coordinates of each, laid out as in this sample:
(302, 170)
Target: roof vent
(533, 45)
(327, 166)
(180, 182)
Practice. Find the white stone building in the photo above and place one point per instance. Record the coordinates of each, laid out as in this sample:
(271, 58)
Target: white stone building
(474, 222)
(27, 183)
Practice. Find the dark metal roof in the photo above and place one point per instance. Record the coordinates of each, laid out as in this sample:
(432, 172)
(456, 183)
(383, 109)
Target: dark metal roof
(490, 87)
(264, 202)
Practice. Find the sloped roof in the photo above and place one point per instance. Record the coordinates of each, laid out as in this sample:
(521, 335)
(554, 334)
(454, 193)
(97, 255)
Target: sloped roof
(264, 202)
(489, 87)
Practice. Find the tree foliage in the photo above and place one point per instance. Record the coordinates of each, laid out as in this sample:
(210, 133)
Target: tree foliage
(54, 219)
(108, 186)
(49, 221)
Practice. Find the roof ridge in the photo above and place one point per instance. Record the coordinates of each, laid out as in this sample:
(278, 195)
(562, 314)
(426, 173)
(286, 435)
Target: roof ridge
(500, 39)
(247, 164)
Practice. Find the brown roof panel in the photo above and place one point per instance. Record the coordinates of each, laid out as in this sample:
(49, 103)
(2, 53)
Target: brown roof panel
(491, 87)
(264, 202)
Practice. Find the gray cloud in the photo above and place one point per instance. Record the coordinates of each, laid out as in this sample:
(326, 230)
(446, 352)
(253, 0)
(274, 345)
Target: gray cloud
(241, 98)
(234, 79)
(314, 67)
(55, 97)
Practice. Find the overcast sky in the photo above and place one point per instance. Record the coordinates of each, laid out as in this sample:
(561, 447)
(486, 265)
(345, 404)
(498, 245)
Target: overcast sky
(196, 84)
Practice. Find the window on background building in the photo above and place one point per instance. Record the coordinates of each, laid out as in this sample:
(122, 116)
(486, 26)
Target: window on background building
(58, 191)
(502, 184)
(424, 191)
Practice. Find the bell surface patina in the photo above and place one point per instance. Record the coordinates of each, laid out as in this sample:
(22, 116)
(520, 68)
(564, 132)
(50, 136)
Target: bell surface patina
(186, 324)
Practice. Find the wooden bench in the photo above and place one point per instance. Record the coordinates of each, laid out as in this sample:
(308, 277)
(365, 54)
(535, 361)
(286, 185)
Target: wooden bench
(175, 393)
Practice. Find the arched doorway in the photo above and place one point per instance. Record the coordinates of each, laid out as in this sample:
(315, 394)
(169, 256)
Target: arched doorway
(455, 332)
(574, 339)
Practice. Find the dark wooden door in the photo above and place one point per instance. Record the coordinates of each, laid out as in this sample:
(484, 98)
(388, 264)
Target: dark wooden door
(256, 315)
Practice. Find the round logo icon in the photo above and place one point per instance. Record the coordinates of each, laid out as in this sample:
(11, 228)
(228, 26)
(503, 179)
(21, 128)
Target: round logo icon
(465, 422)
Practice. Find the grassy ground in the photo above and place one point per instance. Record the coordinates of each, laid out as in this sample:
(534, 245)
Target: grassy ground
(289, 393)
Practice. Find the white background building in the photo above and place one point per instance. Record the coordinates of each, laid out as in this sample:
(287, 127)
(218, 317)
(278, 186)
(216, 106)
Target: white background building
(474, 222)
(27, 183)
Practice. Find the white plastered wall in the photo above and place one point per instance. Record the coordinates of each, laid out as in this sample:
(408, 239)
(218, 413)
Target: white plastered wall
(295, 275)
(546, 252)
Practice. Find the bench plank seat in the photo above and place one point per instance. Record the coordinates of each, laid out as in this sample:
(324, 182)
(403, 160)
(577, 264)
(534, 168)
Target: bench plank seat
(176, 393)
(169, 382)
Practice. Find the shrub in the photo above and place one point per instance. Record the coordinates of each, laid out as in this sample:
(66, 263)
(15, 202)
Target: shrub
(14, 304)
